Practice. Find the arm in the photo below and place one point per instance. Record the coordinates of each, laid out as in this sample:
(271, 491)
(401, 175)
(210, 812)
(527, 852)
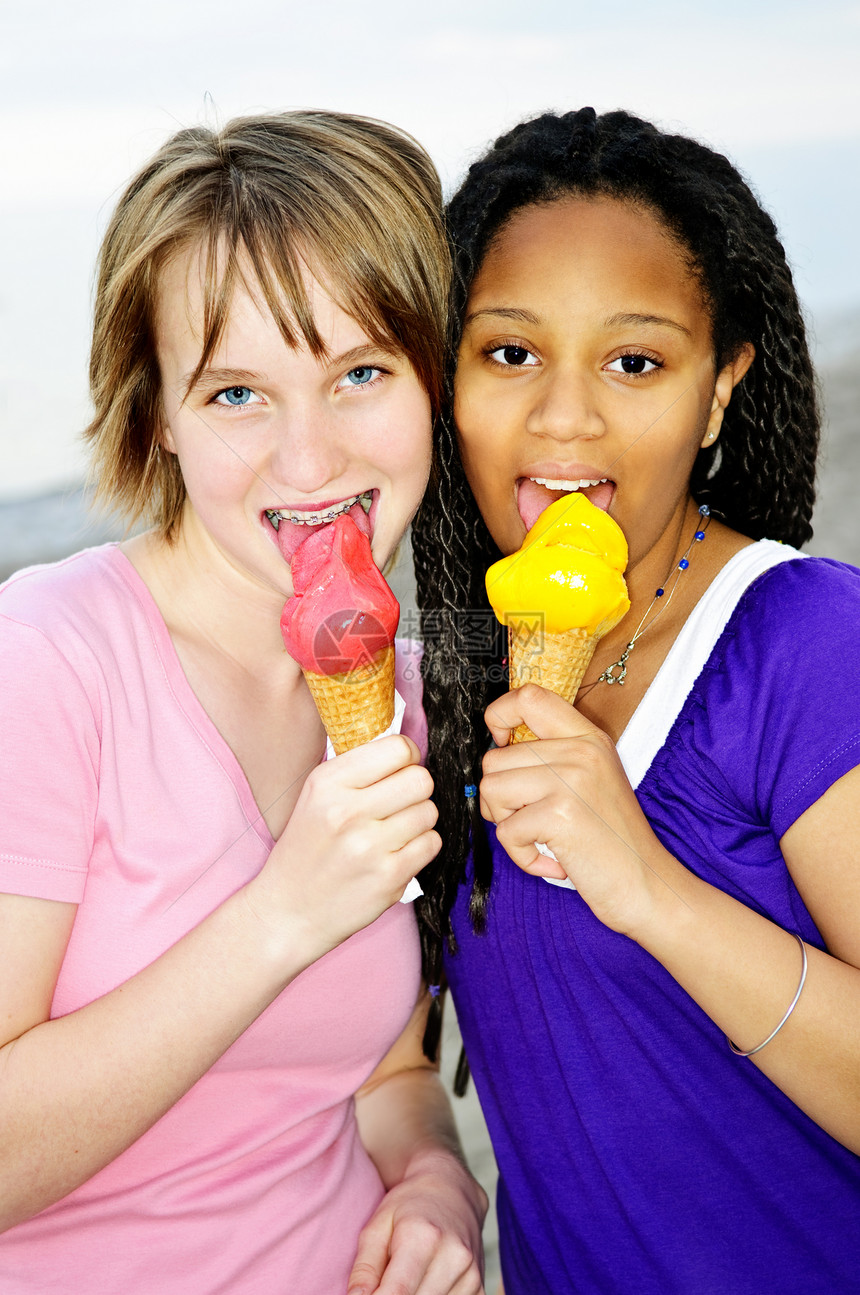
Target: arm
(426, 1233)
(571, 791)
(78, 1090)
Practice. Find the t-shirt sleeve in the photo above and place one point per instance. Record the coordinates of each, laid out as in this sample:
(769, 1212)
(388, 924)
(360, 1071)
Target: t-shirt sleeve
(790, 662)
(49, 756)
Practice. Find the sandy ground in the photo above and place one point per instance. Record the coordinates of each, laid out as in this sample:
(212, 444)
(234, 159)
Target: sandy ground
(51, 526)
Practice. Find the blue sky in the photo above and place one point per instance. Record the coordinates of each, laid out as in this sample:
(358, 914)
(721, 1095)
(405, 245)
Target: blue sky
(89, 89)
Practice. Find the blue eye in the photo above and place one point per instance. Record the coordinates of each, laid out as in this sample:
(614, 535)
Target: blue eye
(235, 396)
(359, 377)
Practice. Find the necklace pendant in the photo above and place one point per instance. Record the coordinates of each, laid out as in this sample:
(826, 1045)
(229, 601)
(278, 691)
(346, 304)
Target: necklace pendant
(620, 665)
(617, 672)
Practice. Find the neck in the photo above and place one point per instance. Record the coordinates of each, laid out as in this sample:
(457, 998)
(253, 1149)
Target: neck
(657, 568)
(204, 599)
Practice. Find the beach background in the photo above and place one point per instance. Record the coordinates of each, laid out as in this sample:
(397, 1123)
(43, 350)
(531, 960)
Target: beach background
(89, 90)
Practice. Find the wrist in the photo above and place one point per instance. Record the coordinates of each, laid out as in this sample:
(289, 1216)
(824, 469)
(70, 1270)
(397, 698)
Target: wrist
(277, 936)
(444, 1163)
(666, 903)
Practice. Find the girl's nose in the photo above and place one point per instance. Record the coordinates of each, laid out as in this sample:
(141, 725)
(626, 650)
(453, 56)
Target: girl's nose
(565, 408)
(307, 452)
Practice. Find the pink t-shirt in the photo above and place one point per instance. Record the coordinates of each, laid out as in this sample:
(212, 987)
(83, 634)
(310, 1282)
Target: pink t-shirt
(119, 794)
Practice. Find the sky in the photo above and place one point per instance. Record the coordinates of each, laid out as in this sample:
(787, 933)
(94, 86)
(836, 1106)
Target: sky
(89, 90)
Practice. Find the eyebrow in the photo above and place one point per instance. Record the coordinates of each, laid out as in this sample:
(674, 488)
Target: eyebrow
(248, 378)
(662, 321)
(518, 315)
(504, 312)
(368, 350)
(221, 377)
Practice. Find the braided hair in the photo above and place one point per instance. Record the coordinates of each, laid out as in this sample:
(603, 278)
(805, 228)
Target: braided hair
(759, 477)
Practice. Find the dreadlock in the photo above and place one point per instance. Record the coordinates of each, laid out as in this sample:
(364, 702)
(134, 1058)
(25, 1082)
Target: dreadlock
(759, 477)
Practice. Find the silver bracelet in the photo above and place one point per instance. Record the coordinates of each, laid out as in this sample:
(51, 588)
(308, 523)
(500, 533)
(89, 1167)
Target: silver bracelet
(737, 1051)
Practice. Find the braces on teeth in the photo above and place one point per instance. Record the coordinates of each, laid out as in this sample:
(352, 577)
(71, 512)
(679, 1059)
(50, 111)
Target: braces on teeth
(276, 516)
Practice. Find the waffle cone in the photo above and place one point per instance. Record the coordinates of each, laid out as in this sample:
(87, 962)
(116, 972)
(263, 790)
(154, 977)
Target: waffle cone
(557, 662)
(358, 705)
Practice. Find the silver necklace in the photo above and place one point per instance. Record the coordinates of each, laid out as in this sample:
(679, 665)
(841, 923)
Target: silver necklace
(609, 675)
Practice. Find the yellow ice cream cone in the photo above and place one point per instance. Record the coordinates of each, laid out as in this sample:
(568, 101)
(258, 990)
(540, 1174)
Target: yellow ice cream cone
(558, 595)
(557, 662)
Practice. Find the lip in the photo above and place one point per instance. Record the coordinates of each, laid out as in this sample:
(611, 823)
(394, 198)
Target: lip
(312, 505)
(533, 497)
(302, 531)
(565, 472)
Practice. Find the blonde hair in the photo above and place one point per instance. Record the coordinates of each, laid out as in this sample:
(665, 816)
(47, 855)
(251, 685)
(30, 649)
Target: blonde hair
(356, 198)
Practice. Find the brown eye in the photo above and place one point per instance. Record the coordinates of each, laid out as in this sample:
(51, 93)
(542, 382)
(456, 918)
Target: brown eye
(515, 354)
(515, 357)
(634, 364)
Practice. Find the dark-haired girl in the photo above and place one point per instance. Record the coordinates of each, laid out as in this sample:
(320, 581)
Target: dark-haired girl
(666, 1040)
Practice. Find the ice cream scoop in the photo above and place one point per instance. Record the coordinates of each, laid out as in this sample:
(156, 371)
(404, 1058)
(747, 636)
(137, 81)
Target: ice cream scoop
(339, 626)
(559, 594)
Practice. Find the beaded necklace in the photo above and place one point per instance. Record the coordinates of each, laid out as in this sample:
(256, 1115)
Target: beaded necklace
(609, 675)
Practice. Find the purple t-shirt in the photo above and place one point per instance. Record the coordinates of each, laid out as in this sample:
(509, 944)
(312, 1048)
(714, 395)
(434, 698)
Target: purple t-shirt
(635, 1151)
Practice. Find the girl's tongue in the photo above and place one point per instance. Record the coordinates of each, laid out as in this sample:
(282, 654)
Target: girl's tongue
(533, 499)
(292, 534)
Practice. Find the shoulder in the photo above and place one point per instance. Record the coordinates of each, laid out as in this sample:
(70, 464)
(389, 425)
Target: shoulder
(804, 595)
(804, 610)
(75, 589)
(79, 616)
(790, 629)
(780, 697)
